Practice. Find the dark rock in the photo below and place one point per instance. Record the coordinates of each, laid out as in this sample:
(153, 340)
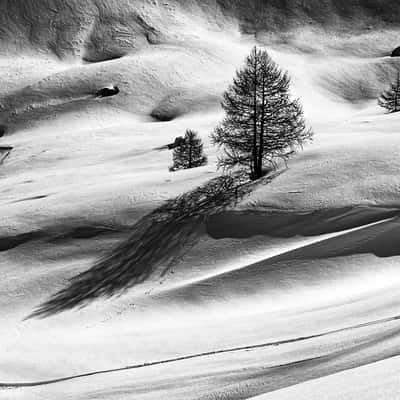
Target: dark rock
(107, 92)
(396, 52)
(3, 130)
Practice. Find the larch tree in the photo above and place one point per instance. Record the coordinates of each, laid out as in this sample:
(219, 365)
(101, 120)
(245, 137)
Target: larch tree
(262, 123)
(390, 99)
(189, 154)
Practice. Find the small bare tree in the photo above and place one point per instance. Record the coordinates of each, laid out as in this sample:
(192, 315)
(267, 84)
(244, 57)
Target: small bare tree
(390, 98)
(189, 154)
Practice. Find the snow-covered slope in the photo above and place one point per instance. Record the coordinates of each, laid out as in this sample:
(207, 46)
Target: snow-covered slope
(296, 280)
(369, 382)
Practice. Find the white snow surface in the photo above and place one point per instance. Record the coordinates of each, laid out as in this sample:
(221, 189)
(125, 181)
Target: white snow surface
(293, 293)
(377, 380)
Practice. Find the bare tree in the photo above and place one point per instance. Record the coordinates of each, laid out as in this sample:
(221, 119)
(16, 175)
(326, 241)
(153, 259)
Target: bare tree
(262, 123)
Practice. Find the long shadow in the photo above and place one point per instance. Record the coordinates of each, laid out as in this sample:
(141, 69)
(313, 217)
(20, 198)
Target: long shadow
(283, 224)
(31, 103)
(157, 240)
(24, 116)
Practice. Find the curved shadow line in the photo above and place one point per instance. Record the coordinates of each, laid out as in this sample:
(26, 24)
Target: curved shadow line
(210, 353)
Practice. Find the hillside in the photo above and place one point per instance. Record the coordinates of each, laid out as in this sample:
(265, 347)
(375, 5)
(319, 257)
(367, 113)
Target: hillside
(98, 30)
(131, 288)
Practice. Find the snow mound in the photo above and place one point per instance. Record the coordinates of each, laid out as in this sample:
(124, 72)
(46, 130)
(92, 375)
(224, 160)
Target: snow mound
(149, 85)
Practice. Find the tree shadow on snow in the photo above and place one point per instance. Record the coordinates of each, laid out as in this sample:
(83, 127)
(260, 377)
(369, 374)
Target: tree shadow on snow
(156, 241)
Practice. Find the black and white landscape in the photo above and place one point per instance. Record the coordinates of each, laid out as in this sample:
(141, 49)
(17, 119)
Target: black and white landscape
(200, 199)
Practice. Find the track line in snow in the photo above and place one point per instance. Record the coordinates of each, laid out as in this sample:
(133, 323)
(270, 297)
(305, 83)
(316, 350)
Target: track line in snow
(198, 355)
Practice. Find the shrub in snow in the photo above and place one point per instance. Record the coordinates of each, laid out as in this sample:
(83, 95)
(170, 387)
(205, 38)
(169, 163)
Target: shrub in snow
(189, 154)
(390, 98)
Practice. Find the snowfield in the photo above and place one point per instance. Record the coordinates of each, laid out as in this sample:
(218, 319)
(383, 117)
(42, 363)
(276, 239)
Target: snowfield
(291, 292)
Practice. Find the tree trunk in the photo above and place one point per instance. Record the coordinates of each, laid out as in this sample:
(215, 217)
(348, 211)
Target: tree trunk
(190, 152)
(396, 98)
(255, 163)
(262, 131)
